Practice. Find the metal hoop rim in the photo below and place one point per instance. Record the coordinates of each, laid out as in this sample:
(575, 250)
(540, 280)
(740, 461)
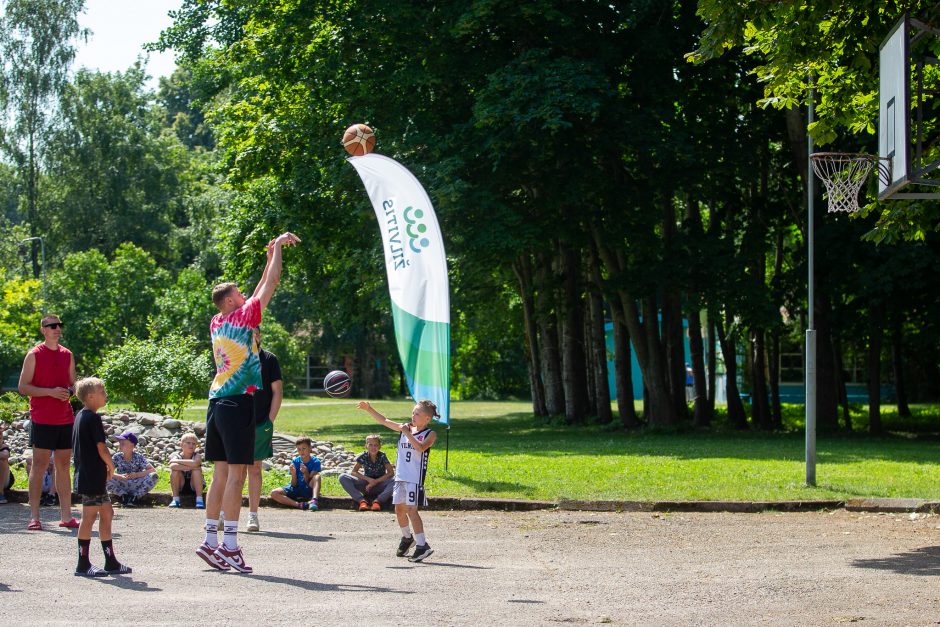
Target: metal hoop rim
(847, 156)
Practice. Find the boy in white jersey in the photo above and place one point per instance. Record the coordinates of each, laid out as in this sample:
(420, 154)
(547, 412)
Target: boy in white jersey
(411, 464)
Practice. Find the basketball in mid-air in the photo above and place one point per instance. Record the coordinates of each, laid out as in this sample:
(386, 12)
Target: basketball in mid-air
(337, 383)
(358, 140)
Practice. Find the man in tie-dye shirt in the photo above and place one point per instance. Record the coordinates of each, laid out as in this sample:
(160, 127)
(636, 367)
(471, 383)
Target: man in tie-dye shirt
(230, 429)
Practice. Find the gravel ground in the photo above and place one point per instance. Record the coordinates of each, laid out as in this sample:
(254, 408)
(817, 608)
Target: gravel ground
(508, 568)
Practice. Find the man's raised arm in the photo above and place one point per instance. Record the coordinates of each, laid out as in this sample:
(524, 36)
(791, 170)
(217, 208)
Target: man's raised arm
(272, 270)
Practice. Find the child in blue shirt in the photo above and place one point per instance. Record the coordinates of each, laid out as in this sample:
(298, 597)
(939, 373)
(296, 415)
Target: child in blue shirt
(304, 488)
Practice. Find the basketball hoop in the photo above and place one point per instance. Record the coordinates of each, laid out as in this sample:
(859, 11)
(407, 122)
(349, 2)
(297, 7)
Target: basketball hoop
(844, 173)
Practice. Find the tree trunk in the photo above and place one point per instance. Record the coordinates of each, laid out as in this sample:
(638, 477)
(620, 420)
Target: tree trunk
(759, 396)
(523, 271)
(548, 340)
(599, 345)
(712, 357)
(773, 368)
(573, 358)
(776, 412)
(841, 383)
(623, 363)
(736, 414)
(658, 408)
(827, 392)
(675, 351)
(897, 364)
(701, 415)
(877, 317)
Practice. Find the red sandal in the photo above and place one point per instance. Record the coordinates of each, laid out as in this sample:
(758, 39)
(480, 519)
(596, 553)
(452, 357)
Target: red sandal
(34, 524)
(70, 524)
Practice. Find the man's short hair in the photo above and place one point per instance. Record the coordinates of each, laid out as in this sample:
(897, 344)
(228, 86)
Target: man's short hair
(221, 291)
(86, 386)
(50, 316)
(303, 440)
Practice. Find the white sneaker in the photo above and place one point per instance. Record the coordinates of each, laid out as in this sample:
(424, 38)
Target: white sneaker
(253, 524)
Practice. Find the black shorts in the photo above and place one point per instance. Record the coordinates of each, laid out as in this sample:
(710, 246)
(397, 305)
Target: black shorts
(230, 430)
(187, 487)
(50, 437)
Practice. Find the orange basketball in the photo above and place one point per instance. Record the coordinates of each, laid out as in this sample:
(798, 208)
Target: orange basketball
(358, 140)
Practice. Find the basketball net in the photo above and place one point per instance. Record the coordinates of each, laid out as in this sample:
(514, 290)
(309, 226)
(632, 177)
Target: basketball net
(843, 174)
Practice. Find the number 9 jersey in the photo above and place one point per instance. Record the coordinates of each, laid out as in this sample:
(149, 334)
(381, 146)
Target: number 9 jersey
(410, 465)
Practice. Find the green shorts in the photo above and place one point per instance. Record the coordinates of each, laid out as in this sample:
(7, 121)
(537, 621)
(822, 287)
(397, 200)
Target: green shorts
(263, 434)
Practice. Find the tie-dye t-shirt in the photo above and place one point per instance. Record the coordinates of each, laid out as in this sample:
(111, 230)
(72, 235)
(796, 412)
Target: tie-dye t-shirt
(237, 367)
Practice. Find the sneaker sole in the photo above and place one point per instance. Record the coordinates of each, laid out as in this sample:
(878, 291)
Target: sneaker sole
(421, 557)
(209, 559)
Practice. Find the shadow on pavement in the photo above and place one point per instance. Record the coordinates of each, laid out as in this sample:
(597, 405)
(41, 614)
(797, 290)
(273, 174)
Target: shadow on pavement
(4, 587)
(412, 565)
(924, 561)
(286, 535)
(126, 583)
(314, 586)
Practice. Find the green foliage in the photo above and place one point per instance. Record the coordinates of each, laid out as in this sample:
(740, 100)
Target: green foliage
(101, 300)
(185, 308)
(110, 127)
(837, 41)
(11, 404)
(161, 375)
(19, 321)
(291, 354)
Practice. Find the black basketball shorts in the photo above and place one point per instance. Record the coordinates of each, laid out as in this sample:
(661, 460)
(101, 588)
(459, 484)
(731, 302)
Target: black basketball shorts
(230, 430)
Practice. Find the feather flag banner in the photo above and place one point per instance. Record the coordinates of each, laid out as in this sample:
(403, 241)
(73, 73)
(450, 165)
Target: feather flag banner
(417, 276)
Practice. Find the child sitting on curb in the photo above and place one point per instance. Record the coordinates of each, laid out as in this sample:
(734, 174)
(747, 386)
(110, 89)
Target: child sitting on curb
(304, 488)
(186, 471)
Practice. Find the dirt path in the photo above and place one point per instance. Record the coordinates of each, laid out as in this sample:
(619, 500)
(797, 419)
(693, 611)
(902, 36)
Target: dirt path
(531, 568)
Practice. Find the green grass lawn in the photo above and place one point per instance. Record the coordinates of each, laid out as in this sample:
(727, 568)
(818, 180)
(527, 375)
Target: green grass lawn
(498, 449)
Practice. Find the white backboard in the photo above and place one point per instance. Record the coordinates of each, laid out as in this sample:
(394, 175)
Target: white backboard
(894, 108)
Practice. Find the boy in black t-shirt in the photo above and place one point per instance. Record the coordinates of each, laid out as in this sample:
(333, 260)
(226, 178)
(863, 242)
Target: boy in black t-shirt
(93, 468)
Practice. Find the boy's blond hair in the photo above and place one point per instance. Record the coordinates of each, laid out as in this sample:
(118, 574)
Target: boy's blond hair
(374, 437)
(84, 387)
(189, 436)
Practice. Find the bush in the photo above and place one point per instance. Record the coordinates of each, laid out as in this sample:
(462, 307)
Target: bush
(160, 376)
(11, 404)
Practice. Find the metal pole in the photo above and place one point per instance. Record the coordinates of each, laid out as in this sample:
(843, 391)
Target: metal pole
(811, 301)
(447, 446)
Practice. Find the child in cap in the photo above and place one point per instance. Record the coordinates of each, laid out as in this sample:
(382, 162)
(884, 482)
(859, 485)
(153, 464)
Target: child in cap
(93, 468)
(134, 476)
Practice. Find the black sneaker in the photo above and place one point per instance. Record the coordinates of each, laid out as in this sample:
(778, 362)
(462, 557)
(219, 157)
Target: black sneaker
(404, 545)
(130, 501)
(420, 553)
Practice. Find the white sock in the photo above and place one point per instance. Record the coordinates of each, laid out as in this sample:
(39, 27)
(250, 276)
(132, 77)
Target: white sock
(198, 500)
(176, 500)
(230, 537)
(405, 532)
(253, 514)
(419, 538)
(212, 533)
